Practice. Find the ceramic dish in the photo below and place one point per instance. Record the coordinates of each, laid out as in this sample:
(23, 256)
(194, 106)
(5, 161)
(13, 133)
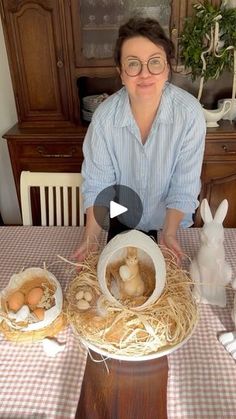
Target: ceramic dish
(91, 102)
(148, 357)
(87, 116)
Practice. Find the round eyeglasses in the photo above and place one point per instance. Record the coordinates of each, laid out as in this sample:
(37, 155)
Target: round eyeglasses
(133, 66)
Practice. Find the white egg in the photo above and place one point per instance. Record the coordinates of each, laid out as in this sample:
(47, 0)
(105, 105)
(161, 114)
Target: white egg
(52, 347)
(88, 296)
(79, 295)
(11, 315)
(83, 305)
(124, 272)
(22, 314)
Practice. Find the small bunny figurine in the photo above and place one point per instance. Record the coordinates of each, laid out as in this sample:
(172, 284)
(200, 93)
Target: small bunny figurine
(228, 339)
(133, 284)
(209, 270)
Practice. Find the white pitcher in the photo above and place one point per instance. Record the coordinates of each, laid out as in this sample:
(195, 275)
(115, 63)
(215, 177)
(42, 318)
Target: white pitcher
(231, 114)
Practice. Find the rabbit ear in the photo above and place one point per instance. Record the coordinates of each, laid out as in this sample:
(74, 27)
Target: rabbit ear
(205, 211)
(221, 212)
(131, 251)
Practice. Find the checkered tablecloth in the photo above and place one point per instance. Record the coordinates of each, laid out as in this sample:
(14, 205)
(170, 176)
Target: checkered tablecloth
(202, 374)
(33, 385)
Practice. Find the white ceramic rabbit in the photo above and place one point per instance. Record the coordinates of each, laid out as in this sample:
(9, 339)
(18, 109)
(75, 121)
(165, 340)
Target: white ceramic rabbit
(209, 270)
(133, 284)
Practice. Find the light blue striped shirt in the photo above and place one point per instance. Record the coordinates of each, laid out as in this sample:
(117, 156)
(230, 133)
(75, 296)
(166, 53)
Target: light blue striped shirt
(164, 172)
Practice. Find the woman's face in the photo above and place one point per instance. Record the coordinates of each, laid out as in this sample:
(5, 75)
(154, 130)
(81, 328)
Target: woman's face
(144, 86)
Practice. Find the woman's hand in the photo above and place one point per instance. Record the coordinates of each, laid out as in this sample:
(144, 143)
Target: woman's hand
(90, 241)
(84, 250)
(168, 234)
(170, 242)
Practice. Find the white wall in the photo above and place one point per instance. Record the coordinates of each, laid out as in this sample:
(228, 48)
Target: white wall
(9, 207)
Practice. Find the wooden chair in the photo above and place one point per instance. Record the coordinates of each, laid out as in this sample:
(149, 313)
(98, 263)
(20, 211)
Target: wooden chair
(1, 220)
(59, 194)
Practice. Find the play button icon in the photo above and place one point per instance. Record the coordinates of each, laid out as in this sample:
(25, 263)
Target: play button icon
(116, 209)
(118, 201)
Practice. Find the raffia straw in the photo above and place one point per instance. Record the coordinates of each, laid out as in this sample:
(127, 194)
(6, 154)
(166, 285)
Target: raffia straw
(19, 336)
(124, 331)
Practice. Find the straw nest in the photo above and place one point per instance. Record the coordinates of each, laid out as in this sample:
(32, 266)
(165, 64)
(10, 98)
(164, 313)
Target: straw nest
(16, 331)
(124, 330)
(19, 336)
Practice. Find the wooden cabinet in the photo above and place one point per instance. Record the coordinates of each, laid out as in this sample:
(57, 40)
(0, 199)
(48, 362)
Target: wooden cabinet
(95, 26)
(60, 51)
(38, 53)
(51, 150)
(219, 171)
(41, 149)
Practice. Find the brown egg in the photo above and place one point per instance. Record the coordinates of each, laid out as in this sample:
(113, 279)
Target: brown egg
(34, 296)
(39, 312)
(15, 301)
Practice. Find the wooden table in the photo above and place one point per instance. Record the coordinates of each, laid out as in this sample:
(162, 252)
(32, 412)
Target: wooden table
(201, 375)
(130, 390)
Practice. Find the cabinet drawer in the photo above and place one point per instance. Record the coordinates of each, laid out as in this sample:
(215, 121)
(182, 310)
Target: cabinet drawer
(220, 148)
(53, 150)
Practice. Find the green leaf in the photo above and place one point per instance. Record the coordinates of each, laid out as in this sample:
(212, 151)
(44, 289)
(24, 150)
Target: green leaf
(193, 40)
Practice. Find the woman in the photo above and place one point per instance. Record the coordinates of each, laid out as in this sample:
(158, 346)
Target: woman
(149, 136)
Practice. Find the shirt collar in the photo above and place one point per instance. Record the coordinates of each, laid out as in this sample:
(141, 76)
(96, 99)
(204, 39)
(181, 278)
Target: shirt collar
(165, 111)
(124, 116)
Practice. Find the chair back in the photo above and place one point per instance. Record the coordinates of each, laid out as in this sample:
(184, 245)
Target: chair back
(60, 198)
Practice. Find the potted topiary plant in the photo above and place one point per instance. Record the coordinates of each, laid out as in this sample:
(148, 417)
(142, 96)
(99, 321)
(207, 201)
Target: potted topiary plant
(208, 46)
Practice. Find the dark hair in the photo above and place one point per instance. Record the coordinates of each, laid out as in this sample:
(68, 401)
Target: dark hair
(148, 28)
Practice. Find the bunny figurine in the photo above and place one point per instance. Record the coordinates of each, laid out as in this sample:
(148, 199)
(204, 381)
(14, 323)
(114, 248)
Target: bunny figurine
(132, 283)
(209, 270)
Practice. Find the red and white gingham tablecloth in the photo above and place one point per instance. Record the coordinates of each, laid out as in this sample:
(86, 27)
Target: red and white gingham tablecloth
(33, 385)
(202, 374)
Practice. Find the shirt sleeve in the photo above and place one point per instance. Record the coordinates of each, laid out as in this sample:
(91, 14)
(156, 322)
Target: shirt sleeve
(97, 168)
(185, 183)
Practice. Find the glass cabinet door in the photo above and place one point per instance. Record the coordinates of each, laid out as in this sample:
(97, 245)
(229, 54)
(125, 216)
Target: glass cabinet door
(96, 23)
